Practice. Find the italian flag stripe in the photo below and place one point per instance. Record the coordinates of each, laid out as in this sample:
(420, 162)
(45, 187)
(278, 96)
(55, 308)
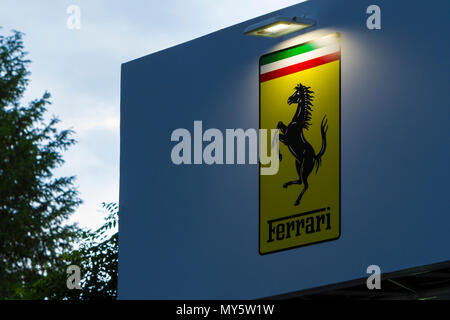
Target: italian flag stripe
(289, 53)
(300, 67)
(300, 58)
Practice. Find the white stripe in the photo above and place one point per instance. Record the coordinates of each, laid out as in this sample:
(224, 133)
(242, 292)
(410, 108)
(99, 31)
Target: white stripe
(300, 58)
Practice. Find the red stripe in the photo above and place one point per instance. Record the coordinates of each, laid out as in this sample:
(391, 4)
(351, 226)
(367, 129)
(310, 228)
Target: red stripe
(300, 66)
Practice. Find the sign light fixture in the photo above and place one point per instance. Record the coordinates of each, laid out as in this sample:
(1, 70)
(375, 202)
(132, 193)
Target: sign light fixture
(278, 26)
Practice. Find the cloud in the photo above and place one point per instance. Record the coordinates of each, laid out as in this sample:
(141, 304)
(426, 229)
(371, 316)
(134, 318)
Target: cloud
(108, 123)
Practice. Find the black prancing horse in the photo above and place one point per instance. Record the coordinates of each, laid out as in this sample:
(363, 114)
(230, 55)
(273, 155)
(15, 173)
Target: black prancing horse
(292, 136)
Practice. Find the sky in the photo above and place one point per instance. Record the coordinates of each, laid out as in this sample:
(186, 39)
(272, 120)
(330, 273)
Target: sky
(81, 69)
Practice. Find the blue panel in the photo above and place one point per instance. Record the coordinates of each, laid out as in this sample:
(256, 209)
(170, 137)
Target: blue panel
(191, 232)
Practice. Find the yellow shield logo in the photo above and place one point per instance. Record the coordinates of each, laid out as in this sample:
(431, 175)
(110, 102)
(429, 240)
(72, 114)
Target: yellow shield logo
(300, 96)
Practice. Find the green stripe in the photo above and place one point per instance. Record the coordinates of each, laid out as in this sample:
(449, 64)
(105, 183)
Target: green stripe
(290, 53)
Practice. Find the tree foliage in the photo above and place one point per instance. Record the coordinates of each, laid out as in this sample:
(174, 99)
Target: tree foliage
(97, 257)
(36, 242)
(34, 204)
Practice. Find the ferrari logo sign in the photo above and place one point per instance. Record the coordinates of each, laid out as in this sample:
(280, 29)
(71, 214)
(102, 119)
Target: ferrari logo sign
(300, 96)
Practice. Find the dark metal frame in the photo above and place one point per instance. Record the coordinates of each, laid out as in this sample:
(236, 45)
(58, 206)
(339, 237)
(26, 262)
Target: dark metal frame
(420, 283)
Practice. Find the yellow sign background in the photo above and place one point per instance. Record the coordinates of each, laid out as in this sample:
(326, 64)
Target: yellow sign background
(324, 187)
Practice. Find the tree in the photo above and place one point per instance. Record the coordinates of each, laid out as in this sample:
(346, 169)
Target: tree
(34, 204)
(97, 258)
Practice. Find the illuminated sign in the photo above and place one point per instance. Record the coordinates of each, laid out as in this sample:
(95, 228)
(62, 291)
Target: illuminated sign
(300, 96)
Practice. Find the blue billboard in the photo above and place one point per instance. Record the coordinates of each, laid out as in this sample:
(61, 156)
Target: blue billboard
(189, 176)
